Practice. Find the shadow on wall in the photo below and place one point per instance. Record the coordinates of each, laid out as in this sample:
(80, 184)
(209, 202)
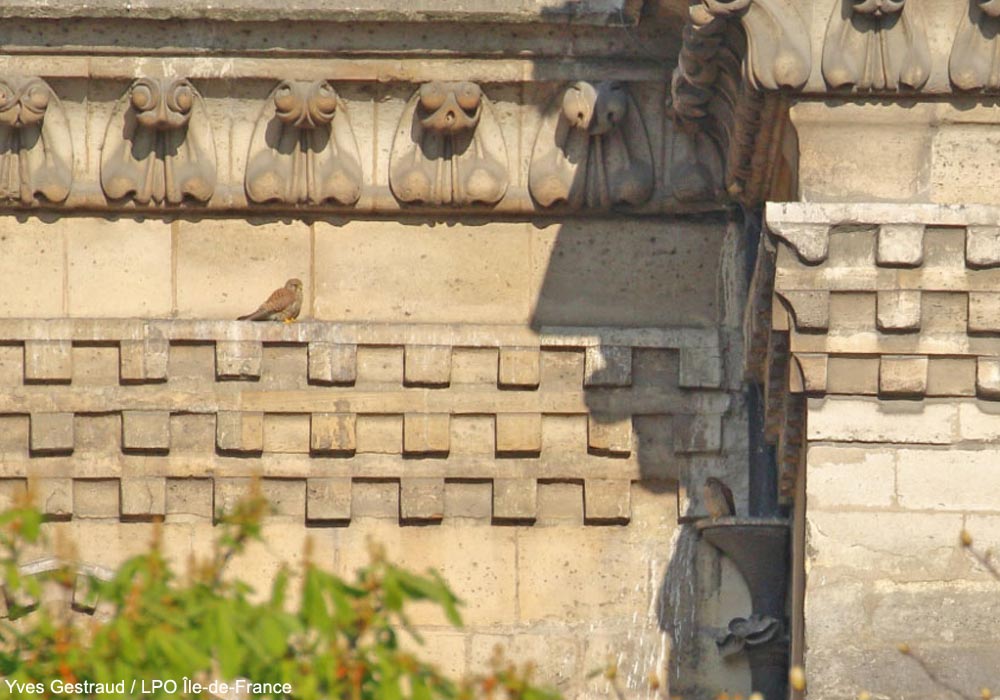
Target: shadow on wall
(649, 282)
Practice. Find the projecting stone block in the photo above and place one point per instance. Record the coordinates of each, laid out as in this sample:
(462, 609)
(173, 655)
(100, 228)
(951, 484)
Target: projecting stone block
(143, 497)
(54, 496)
(902, 375)
(48, 361)
(898, 310)
(518, 433)
(426, 433)
(146, 430)
(331, 363)
(515, 499)
(427, 365)
(609, 435)
(700, 368)
(697, 433)
(900, 244)
(328, 499)
(988, 377)
(607, 365)
(333, 432)
(812, 374)
(607, 500)
(143, 360)
(52, 432)
(982, 246)
(238, 359)
(239, 431)
(984, 311)
(810, 309)
(421, 499)
(519, 368)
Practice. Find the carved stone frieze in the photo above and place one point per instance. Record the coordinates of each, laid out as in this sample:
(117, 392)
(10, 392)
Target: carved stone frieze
(876, 45)
(303, 150)
(449, 148)
(158, 146)
(778, 51)
(36, 150)
(592, 150)
(975, 55)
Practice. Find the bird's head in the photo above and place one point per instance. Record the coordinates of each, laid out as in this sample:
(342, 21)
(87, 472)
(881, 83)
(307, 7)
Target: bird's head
(295, 284)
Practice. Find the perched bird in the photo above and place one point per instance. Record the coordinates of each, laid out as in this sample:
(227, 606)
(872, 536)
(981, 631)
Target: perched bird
(283, 305)
(718, 498)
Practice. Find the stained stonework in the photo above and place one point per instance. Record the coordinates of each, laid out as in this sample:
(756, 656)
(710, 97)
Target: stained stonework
(517, 357)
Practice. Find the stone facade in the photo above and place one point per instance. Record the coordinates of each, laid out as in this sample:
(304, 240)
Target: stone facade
(517, 357)
(530, 330)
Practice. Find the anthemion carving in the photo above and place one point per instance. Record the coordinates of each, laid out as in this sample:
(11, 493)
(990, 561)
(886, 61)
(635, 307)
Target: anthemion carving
(777, 51)
(36, 151)
(876, 45)
(448, 148)
(975, 56)
(303, 150)
(158, 146)
(592, 150)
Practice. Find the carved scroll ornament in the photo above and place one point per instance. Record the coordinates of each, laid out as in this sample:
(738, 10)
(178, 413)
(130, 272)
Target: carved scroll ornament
(158, 145)
(36, 151)
(975, 55)
(303, 150)
(876, 45)
(592, 150)
(448, 148)
(778, 52)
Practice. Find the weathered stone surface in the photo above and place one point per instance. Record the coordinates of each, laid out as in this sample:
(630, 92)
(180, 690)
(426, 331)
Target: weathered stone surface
(850, 477)
(331, 363)
(236, 359)
(518, 433)
(48, 361)
(515, 499)
(427, 433)
(146, 430)
(52, 432)
(143, 497)
(240, 431)
(607, 500)
(421, 499)
(608, 435)
(427, 365)
(333, 432)
(328, 498)
(607, 366)
(847, 420)
(519, 368)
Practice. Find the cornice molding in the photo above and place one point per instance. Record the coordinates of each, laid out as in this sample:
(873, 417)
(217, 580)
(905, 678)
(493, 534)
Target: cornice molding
(891, 300)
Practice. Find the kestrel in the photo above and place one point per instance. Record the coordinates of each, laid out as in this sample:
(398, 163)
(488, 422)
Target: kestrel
(718, 498)
(283, 305)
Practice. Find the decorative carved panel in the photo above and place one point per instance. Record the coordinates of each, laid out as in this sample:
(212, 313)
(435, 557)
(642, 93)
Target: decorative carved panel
(303, 150)
(876, 45)
(448, 148)
(592, 150)
(158, 145)
(975, 55)
(36, 151)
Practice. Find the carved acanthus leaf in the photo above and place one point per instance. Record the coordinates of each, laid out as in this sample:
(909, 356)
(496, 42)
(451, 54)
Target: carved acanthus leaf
(592, 150)
(449, 148)
(158, 145)
(778, 48)
(303, 150)
(975, 55)
(36, 151)
(876, 45)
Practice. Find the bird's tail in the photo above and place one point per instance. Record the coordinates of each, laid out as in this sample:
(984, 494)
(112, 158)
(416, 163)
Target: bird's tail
(258, 315)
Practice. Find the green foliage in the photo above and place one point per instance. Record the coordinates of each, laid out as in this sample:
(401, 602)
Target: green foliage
(337, 639)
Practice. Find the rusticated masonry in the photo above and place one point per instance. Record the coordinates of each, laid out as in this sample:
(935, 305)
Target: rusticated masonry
(137, 409)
